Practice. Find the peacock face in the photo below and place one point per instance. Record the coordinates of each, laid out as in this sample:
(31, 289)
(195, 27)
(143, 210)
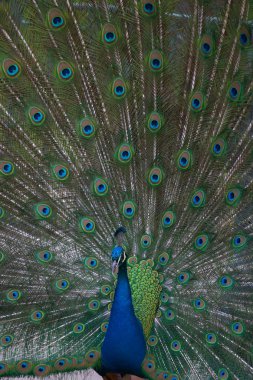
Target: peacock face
(118, 256)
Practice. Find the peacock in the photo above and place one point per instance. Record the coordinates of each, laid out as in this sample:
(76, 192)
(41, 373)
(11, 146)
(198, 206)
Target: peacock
(126, 176)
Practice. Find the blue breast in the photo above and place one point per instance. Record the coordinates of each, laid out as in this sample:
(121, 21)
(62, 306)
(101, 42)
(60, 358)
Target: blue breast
(124, 346)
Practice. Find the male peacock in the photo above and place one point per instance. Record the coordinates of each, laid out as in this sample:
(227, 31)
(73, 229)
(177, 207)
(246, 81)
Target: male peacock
(126, 187)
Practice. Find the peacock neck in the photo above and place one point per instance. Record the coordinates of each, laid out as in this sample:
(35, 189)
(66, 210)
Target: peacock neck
(124, 347)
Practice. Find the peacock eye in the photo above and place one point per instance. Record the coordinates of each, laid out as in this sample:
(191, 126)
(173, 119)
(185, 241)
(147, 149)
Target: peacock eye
(149, 8)
(62, 285)
(206, 47)
(110, 37)
(156, 61)
(119, 90)
(56, 19)
(197, 102)
(11, 68)
(6, 168)
(88, 129)
(184, 160)
(65, 71)
(100, 187)
(155, 176)
(91, 262)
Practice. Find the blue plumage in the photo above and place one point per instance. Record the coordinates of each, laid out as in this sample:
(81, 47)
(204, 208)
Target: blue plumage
(124, 346)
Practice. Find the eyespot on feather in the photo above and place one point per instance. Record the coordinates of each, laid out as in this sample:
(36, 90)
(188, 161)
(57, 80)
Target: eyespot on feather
(87, 225)
(199, 304)
(94, 305)
(197, 102)
(92, 357)
(60, 172)
(37, 116)
(109, 34)
(175, 345)
(154, 123)
(100, 187)
(78, 328)
(164, 258)
(128, 209)
(155, 176)
(65, 71)
(13, 295)
(105, 289)
(62, 364)
(124, 153)
(42, 370)
(170, 315)
(184, 160)
(146, 241)
(148, 366)
(219, 147)
(24, 366)
(56, 19)
(104, 327)
(44, 257)
(233, 196)
(223, 374)
(235, 91)
(206, 46)
(211, 339)
(198, 199)
(6, 168)
(239, 241)
(4, 368)
(87, 128)
(11, 68)
(156, 61)
(245, 37)
(43, 211)
(62, 285)
(37, 316)
(201, 242)
(152, 340)
(164, 297)
(149, 8)
(183, 278)
(162, 375)
(6, 340)
(226, 282)
(237, 328)
(119, 88)
(91, 263)
(168, 219)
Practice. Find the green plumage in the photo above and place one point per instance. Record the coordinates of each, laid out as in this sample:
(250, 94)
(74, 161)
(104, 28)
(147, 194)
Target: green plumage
(126, 113)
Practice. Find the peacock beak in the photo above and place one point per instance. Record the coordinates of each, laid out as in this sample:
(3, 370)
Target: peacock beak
(115, 267)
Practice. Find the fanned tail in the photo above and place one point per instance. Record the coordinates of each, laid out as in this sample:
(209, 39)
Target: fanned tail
(135, 114)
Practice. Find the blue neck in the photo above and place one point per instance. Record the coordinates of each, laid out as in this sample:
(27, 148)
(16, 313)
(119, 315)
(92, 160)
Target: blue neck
(124, 346)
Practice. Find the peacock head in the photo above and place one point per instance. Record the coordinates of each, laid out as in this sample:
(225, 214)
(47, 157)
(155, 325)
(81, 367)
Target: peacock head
(118, 254)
